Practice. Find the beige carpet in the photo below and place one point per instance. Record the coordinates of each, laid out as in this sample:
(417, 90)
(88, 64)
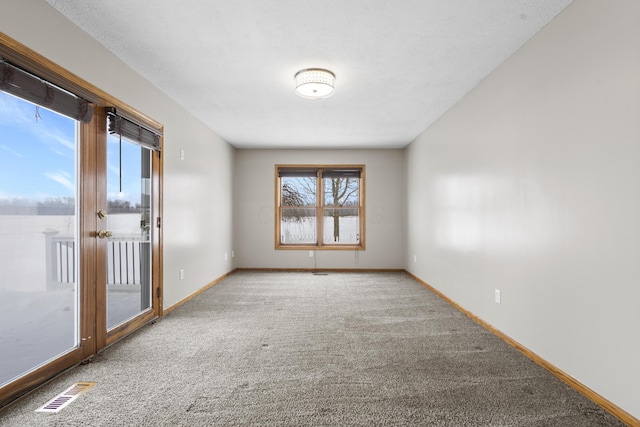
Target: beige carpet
(296, 349)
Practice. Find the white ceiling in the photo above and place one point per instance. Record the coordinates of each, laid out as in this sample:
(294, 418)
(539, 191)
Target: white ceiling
(399, 64)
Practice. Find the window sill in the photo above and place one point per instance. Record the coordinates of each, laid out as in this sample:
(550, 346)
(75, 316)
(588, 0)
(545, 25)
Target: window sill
(345, 247)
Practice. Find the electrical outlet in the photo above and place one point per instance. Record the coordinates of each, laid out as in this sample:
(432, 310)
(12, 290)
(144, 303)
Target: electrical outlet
(226, 256)
(415, 258)
(497, 296)
(181, 154)
(233, 254)
(181, 274)
(310, 254)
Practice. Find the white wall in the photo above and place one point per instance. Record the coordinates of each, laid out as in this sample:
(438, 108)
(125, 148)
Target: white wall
(197, 191)
(254, 210)
(531, 185)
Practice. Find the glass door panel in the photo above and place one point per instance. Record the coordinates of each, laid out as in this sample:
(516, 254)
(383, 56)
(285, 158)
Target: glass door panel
(129, 231)
(39, 290)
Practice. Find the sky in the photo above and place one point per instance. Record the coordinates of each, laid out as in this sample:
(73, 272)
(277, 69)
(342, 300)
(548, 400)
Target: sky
(38, 155)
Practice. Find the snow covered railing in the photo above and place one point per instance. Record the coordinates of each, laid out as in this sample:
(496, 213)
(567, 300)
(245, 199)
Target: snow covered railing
(123, 261)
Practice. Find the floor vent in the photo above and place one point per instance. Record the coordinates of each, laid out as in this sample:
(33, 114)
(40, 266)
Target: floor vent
(63, 399)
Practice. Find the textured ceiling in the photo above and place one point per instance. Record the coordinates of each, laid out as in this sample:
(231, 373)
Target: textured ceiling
(399, 64)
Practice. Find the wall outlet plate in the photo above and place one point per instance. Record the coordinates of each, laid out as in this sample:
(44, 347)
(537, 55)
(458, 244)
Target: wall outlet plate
(497, 295)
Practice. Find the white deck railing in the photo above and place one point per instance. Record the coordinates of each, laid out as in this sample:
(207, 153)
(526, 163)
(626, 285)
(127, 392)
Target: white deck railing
(123, 261)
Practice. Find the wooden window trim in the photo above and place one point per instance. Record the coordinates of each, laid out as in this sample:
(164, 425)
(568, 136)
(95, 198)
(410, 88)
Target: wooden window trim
(320, 245)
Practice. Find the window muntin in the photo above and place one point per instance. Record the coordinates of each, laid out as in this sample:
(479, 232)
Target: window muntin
(333, 193)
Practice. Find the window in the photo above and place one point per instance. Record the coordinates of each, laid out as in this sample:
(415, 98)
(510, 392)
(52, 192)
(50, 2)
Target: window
(320, 207)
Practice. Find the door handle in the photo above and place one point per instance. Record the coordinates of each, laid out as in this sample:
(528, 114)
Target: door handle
(104, 233)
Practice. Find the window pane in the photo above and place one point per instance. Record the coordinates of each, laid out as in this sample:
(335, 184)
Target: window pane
(341, 226)
(38, 237)
(298, 191)
(129, 219)
(340, 191)
(298, 225)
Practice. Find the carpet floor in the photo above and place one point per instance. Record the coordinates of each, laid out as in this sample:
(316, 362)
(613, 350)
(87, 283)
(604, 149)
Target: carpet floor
(296, 349)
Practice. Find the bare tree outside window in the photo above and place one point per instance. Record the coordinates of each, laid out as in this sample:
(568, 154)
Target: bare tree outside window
(340, 193)
(297, 194)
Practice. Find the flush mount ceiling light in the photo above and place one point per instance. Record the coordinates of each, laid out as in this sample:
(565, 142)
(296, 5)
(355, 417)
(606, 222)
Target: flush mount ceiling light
(315, 83)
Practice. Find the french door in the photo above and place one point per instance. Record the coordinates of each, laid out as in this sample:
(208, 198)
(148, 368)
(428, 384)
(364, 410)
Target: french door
(41, 293)
(128, 226)
(80, 243)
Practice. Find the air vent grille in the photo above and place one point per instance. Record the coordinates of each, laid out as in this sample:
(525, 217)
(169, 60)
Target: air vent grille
(66, 397)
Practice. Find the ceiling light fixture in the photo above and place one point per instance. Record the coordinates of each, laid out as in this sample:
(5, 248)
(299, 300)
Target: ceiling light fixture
(315, 83)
